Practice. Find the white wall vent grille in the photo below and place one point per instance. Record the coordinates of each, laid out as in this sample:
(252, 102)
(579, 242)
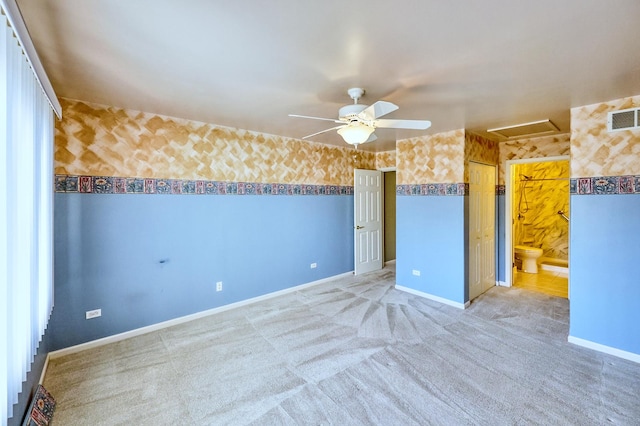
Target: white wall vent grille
(623, 120)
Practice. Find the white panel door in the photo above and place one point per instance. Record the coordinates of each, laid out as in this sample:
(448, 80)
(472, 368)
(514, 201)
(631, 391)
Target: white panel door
(367, 221)
(475, 232)
(482, 262)
(488, 227)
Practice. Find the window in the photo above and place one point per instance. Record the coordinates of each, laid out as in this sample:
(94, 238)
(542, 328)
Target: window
(26, 207)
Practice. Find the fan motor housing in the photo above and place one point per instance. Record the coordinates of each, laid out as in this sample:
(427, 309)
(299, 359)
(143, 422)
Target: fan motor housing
(353, 109)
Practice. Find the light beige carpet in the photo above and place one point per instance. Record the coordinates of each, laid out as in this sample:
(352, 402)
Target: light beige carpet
(353, 351)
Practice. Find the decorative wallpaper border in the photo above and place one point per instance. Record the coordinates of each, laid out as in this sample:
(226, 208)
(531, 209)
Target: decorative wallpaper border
(433, 189)
(440, 189)
(605, 185)
(122, 185)
(601, 185)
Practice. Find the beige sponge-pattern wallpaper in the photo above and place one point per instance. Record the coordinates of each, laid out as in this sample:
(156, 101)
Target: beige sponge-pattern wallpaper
(540, 147)
(597, 152)
(385, 159)
(479, 149)
(435, 158)
(97, 140)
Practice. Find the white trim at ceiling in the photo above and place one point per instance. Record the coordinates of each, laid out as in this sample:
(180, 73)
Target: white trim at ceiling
(526, 130)
(14, 16)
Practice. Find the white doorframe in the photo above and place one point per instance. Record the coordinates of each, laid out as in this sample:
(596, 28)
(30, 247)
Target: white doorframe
(508, 209)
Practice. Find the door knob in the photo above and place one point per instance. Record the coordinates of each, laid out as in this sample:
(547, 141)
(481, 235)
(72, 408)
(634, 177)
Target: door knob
(359, 227)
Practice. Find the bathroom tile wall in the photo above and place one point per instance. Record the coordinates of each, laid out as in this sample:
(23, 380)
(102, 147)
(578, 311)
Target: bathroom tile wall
(536, 204)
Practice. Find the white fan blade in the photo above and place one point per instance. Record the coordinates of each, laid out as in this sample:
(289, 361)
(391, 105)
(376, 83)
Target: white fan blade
(403, 124)
(378, 109)
(323, 131)
(315, 118)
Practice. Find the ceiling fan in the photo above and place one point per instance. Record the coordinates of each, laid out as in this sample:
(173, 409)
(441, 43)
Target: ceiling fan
(358, 122)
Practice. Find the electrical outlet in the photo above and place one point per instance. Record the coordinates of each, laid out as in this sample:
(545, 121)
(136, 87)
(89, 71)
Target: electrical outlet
(314, 265)
(416, 272)
(219, 286)
(93, 314)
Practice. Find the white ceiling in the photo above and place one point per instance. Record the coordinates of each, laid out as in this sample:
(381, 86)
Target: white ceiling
(247, 64)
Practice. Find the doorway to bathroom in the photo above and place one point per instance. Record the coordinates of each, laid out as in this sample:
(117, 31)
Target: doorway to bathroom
(537, 218)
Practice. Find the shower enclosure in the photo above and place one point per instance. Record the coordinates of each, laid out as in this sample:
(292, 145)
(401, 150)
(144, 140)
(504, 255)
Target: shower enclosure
(537, 208)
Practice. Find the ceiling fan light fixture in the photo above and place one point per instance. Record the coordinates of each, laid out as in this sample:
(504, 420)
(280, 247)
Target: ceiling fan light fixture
(355, 133)
(358, 122)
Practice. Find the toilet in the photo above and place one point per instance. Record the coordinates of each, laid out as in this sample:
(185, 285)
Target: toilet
(529, 257)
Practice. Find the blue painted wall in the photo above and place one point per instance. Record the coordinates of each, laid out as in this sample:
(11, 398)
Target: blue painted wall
(431, 237)
(605, 288)
(145, 259)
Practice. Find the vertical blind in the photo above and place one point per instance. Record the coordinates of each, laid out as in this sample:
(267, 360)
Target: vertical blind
(26, 215)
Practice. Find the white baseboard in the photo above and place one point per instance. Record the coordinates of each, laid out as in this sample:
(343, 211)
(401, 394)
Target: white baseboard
(44, 369)
(180, 320)
(501, 284)
(432, 297)
(630, 356)
(390, 262)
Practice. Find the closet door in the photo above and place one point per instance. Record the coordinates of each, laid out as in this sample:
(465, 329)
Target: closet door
(482, 199)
